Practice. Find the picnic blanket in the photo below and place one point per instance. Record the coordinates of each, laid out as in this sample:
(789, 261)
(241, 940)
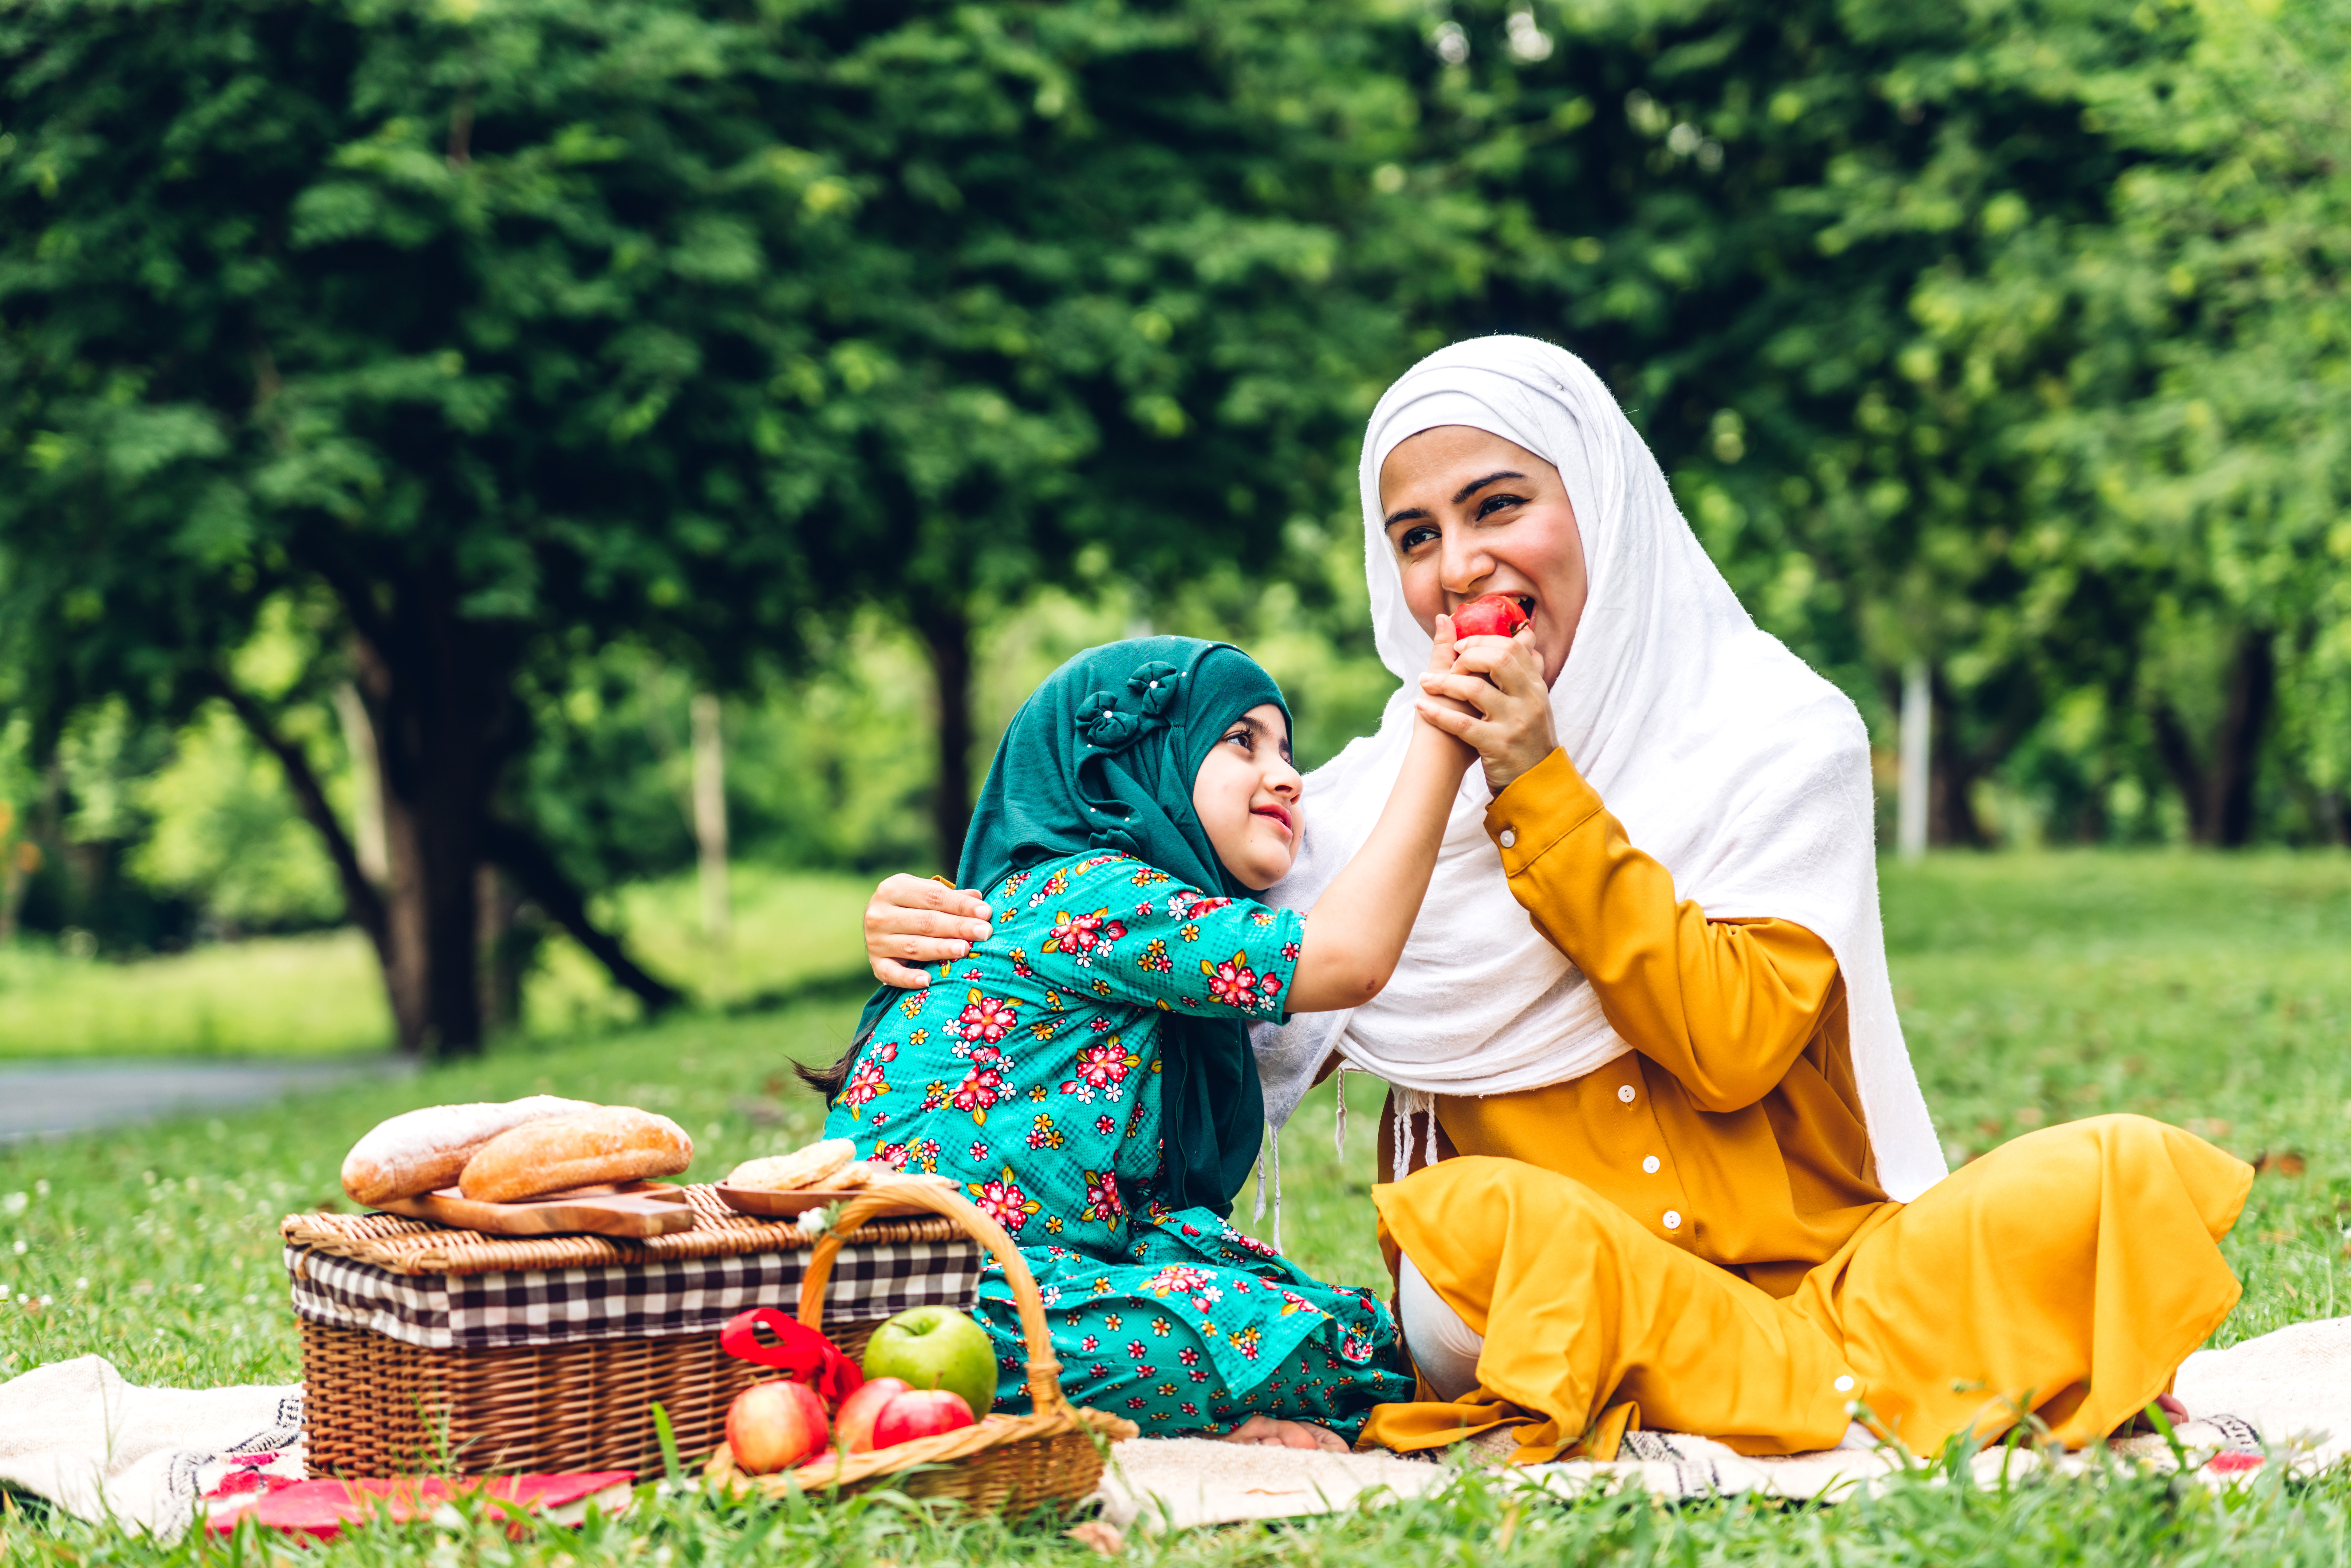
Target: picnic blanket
(97, 1447)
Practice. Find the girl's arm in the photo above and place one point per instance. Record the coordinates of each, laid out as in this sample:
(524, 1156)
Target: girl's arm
(1357, 930)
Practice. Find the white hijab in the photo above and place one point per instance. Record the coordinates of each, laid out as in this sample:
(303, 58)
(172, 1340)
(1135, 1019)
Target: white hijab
(1722, 754)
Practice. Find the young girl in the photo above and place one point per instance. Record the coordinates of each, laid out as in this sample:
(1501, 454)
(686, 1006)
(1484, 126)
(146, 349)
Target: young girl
(1085, 1074)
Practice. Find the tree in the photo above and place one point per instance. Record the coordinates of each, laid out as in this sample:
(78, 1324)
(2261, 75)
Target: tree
(458, 324)
(1748, 217)
(504, 332)
(1098, 316)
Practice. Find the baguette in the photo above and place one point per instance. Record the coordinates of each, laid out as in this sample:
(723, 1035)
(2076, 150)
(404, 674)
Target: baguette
(419, 1152)
(603, 1144)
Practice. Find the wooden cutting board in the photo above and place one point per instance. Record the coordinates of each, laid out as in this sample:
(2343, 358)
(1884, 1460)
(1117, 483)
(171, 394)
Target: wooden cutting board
(767, 1205)
(631, 1208)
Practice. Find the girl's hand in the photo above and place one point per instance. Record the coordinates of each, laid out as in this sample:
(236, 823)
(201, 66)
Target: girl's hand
(913, 920)
(1493, 697)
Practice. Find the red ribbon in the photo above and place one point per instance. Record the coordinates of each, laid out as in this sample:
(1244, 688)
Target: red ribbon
(804, 1354)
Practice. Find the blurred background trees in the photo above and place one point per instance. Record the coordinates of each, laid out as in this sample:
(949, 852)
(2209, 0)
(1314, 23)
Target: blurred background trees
(409, 409)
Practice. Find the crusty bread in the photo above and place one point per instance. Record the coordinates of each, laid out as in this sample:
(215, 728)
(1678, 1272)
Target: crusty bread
(420, 1151)
(812, 1167)
(603, 1144)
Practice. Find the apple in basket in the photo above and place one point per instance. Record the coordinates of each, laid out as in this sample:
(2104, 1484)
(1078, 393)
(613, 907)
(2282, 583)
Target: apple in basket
(935, 1347)
(920, 1413)
(775, 1425)
(886, 1413)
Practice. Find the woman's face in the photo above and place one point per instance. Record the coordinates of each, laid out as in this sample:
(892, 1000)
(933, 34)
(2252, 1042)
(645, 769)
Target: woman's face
(1245, 795)
(1469, 514)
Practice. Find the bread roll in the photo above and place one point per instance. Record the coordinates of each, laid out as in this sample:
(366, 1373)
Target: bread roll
(419, 1152)
(811, 1166)
(604, 1144)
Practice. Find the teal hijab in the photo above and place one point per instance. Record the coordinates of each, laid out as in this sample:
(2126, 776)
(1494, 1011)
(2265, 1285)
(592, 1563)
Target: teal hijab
(1101, 757)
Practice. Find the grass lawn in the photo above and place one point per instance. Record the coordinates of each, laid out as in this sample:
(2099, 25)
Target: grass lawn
(323, 995)
(2212, 992)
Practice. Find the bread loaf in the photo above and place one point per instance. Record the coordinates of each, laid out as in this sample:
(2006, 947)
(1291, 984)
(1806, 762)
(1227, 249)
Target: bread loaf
(419, 1152)
(604, 1144)
(811, 1166)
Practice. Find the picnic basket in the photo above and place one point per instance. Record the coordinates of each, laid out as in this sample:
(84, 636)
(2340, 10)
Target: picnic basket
(1007, 1463)
(426, 1347)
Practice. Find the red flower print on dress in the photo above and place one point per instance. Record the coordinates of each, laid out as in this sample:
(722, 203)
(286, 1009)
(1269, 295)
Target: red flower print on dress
(981, 1088)
(1186, 905)
(985, 1021)
(1102, 1067)
(1149, 876)
(1043, 1134)
(1290, 951)
(1104, 1204)
(1089, 1344)
(1105, 1125)
(1137, 1350)
(865, 1081)
(1080, 934)
(1236, 985)
(1154, 957)
(1054, 886)
(1188, 1356)
(1003, 1201)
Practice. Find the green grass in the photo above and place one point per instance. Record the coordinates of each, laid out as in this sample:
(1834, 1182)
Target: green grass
(323, 995)
(2214, 992)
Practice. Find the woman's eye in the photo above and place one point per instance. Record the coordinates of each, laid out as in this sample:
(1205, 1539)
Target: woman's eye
(1414, 537)
(1493, 504)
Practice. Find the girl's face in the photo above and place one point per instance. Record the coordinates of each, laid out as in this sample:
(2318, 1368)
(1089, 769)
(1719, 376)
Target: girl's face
(1469, 514)
(1247, 794)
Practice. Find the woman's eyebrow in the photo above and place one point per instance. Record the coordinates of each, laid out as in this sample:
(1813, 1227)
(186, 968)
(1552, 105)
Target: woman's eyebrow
(1407, 515)
(1475, 485)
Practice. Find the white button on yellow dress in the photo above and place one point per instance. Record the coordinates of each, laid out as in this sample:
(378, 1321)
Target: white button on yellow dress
(1624, 1092)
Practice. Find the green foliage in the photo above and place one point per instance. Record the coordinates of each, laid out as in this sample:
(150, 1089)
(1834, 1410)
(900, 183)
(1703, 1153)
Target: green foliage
(225, 834)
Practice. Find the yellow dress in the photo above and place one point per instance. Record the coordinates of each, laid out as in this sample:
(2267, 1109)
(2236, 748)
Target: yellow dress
(1691, 1237)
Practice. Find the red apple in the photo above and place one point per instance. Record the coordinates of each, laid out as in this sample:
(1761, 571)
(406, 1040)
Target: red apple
(852, 1423)
(1488, 615)
(773, 1426)
(921, 1413)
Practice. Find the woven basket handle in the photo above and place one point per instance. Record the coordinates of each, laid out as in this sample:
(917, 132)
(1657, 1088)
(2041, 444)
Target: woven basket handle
(1044, 1368)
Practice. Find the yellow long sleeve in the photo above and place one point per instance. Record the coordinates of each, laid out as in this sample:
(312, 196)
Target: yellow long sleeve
(1724, 1005)
(1735, 1129)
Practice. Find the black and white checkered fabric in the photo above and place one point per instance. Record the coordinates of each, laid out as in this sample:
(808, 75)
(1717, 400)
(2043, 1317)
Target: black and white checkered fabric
(632, 1301)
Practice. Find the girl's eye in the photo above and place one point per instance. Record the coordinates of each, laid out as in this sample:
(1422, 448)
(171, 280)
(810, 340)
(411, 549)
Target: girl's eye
(1493, 504)
(1240, 738)
(1416, 537)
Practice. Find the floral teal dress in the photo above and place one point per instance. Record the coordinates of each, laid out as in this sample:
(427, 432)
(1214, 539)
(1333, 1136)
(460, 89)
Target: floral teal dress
(1030, 1074)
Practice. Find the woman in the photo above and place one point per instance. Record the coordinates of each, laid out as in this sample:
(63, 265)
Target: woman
(1682, 1171)
(1086, 1074)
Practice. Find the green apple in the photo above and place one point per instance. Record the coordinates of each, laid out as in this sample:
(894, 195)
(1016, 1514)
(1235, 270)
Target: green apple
(936, 1347)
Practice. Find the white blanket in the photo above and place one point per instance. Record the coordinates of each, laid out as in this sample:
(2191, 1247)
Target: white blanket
(76, 1433)
(1742, 771)
(98, 1448)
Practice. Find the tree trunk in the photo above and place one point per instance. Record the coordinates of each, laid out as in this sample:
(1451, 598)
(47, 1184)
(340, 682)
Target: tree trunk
(438, 687)
(2236, 750)
(710, 818)
(946, 634)
(2219, 794)
(1953, 771)
(506, 949)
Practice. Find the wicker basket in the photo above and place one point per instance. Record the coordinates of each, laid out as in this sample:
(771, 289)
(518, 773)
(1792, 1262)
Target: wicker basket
(1008, 1463)
(376, 1406)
